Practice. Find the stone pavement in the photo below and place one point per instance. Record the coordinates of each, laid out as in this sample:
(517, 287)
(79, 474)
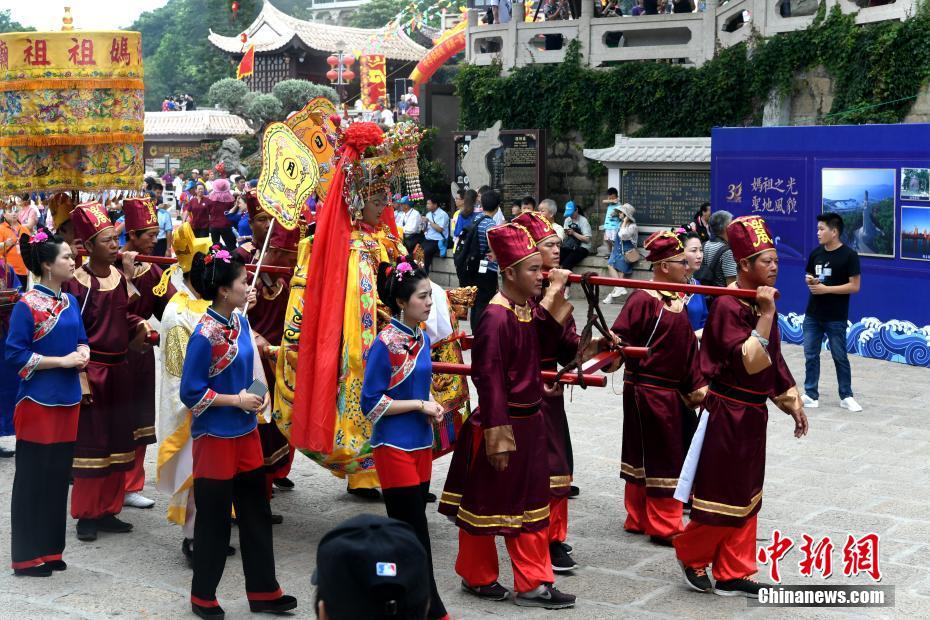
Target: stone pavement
(854, 473)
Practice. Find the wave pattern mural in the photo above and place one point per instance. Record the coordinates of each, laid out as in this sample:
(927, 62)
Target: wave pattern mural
(894, 341)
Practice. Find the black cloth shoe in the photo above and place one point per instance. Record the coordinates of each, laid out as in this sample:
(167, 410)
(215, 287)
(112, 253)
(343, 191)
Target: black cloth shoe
(277, 519)
(113, 525)
(230, 551)
(545, 596)
(491, 592)
(561, 561)
(369, 494)
(567, 548)
(661, 541)
(277, 606)
(42, 570)
(738, 587)
(285, 484)
(573, 492)
(430, 498)
(7, 454)
(57, 565)
(696, 578)
(213, 613)
(87, 529)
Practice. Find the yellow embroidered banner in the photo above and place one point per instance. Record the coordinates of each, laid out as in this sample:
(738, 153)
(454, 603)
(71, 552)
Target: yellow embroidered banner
(289, 175)
(63, 95)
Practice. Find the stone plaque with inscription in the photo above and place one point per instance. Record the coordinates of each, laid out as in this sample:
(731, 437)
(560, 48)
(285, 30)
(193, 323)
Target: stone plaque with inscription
(665, 197)
(516, 168)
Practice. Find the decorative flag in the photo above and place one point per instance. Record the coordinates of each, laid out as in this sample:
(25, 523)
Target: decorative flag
(314, 126)
(247, 64)
(289, 175)
(373, 80)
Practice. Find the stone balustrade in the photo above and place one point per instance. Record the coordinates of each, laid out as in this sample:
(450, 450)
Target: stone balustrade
(691, 38)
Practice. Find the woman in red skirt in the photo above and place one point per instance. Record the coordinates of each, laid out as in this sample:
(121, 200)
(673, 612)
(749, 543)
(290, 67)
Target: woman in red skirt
(48, 346)
(396, 398)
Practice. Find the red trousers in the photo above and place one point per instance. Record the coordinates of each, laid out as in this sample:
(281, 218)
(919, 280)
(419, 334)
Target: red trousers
(529, 556)
(93, 498)
(730, 550)
(558, 519)
(656, 516)
(135, 477)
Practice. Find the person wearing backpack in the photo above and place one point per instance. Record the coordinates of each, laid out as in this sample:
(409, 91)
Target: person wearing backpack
(486, 273)
(719, 268)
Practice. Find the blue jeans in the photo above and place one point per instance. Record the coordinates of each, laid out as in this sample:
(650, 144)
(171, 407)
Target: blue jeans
(835, 331)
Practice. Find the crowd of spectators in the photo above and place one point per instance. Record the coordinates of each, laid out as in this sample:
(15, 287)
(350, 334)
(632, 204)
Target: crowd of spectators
(178, 103)
(501, 11)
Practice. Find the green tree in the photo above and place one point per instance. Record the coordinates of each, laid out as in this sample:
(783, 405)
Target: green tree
(378, 13)
(8, 24)
(177, 55)
(230, 94)
(263, 109)
(294, 94)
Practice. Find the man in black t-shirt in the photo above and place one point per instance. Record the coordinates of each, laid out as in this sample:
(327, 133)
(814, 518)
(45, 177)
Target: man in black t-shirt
(832, 275)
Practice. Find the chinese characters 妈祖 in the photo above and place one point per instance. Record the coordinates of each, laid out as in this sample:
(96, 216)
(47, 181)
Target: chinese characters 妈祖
(774, 195)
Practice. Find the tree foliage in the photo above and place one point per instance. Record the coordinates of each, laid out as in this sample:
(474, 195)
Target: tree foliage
(294, 94)
(8, 24)
(263, 109)
(178, 56)
(877, 70)
(378, 13)
(229, 94)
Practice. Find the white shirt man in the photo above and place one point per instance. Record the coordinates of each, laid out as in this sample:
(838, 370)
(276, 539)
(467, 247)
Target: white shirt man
(502, 10)
(409, 220)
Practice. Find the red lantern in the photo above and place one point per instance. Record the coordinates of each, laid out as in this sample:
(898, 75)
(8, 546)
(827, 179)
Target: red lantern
(235, 9)
(348, 60)
(331, 75)
(244, 37)
(332, 61)
(348, 75)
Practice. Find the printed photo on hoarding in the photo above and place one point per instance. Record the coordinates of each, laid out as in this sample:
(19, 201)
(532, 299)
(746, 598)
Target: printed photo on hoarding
(865, 199)
(915, 184)
(915, 233)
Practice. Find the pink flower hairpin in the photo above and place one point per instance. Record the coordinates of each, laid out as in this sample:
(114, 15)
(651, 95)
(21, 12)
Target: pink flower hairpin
(39, 237)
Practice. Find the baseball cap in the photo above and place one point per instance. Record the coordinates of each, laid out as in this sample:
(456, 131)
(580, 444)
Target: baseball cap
(371, 567)
(569, 208)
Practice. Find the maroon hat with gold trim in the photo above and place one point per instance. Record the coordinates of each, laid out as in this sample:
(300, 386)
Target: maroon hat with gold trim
(748, 236)
(663, 245)
(539, 227)
(251, 202)
(511, 244)
(140, 214)
(284, 239)
(89, 220)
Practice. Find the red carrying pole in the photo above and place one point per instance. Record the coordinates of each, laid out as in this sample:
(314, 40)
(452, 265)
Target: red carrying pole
(699, 289)
(166, 260)
(445, 368)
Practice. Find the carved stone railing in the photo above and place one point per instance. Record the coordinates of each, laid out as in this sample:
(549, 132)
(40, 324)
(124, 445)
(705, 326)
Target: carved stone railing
(688, 37)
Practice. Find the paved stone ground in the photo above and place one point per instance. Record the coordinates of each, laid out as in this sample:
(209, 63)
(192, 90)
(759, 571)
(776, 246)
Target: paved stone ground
(854, 473)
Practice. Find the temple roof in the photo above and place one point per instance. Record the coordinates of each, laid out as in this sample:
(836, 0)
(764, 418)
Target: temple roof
(653, 150)
(273, 30)
(194, 125)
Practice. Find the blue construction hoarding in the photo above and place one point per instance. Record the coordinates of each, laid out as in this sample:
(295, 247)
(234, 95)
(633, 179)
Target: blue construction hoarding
(877, 177)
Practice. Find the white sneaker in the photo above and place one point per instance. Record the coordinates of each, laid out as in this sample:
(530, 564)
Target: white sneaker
(137, 500)
(608, 300)
(618, 291)
(809, 402)
(850, 403)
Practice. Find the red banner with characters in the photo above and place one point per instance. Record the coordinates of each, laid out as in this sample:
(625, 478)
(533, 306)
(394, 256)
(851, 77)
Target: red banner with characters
(373, 80)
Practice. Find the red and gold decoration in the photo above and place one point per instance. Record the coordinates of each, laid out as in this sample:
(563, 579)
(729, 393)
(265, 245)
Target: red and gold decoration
(247, 64)
(289, 175)
(71, 110)
(373, 80)
(749, 235)
(314, 126)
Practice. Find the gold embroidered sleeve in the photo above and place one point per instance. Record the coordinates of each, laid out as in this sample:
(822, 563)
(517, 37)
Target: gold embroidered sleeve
(555, 304)
(695, 398)
(790, 401)
(499, 439)
(175, 348)
(755, 357)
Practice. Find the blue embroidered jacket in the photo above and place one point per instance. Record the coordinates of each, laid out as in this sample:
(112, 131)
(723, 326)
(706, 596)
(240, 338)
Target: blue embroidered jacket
(398, 368)
(44, 324)
(219, 360)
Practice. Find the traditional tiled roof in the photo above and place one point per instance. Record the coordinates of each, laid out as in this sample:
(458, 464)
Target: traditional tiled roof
(273, 30)
(653, 150)
(194, 125)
